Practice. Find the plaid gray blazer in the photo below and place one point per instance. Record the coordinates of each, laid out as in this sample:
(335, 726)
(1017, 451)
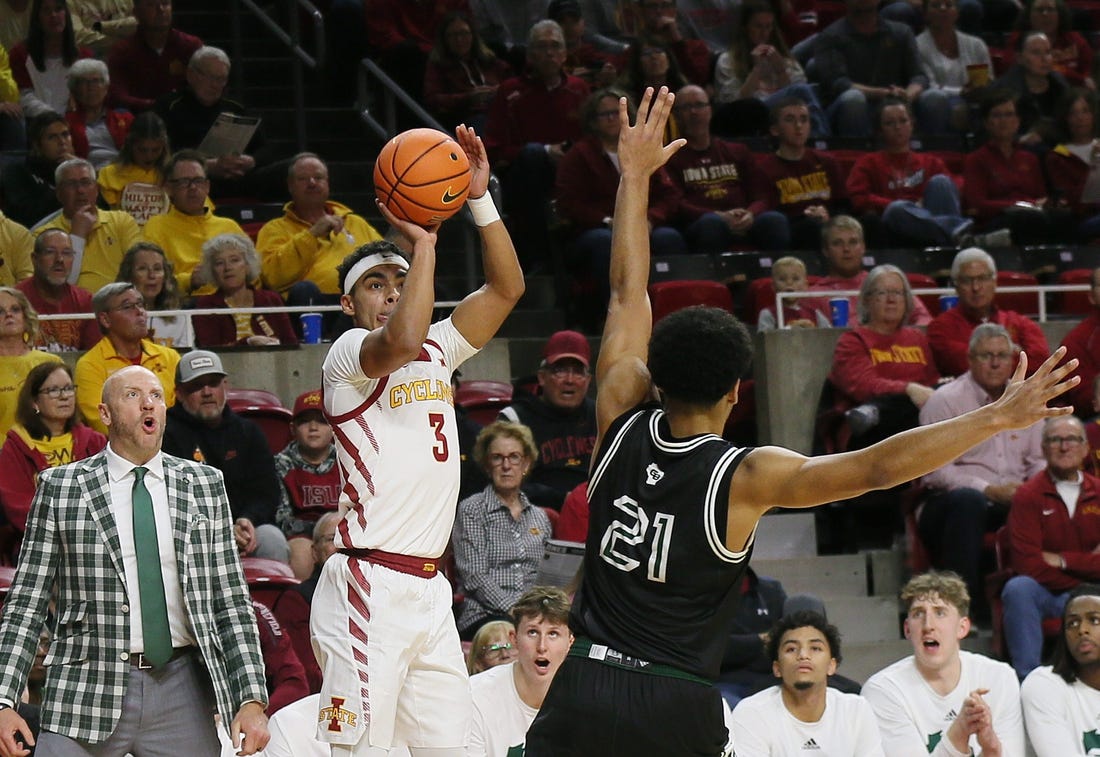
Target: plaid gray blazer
(71, 548)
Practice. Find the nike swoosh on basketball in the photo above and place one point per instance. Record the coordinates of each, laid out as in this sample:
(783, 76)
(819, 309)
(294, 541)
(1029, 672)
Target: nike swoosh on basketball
(1048, 512)
(448, 198)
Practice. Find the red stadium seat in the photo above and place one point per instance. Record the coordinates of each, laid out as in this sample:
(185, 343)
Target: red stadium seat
(267, 579)
(483, 400)
(553, 515)
(1025, 303)
(670, 296)
(1074, 303)
(924, 281)
(266, 410)
(762, 295)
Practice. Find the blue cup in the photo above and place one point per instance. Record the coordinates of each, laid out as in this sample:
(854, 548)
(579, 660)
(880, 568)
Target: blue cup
(838, 311)
(311, 328)
(948, 301)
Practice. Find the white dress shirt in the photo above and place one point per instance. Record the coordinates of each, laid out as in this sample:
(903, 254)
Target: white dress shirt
(121, 482)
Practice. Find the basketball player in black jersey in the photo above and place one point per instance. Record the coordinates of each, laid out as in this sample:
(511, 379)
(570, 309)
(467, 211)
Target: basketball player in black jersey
(674, 507)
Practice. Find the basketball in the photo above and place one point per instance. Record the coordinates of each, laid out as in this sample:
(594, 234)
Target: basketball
(422, 176)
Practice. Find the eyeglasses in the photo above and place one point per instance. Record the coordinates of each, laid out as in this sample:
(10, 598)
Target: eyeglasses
(985, 357)
(188, 182)
(128, 307)
(57, 392)
(496, 459)
(66, 253)
(965, 281)
(548, 47)
(882, 294)
(1058, 441)
(497, 650)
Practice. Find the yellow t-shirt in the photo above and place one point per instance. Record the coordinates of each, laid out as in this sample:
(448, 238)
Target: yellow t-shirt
(13, 372)
(58, 450)
(114, 177)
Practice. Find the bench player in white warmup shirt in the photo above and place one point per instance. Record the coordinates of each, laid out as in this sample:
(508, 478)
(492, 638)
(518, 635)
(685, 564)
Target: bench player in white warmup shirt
(1061, 702)
(507, 697)
(803, 716)
(943, 701)
(381, 621)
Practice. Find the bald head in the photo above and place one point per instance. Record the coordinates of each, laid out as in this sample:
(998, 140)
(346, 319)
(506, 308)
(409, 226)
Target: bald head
(130, 374)
(133, 410)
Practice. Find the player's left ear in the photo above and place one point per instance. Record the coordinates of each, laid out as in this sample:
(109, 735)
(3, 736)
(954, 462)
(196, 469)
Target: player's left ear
(775, 669)
(832, 666)
(964, 628)
(731, 395)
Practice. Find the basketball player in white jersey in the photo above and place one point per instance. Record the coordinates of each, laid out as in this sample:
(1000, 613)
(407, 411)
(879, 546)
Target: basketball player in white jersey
(381, 622)
(674, 507)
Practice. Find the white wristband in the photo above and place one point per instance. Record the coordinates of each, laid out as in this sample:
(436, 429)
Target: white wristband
(485, 212)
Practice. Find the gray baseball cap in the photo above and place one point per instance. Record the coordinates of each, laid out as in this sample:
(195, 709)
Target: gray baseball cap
(196, 364)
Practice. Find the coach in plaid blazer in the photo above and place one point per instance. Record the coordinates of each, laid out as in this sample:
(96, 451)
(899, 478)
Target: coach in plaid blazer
(72, 539)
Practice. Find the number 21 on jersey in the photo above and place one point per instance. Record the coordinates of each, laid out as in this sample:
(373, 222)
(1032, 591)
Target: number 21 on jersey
(634, 529)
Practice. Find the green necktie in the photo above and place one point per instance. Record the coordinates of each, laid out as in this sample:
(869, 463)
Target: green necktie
(154, 609)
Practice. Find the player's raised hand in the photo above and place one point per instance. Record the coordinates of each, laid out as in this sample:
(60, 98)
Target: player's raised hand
(642, 148)
(408, 229)
(1025, 400)
(474, 148)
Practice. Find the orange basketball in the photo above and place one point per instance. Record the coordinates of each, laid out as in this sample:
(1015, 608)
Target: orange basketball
(422, 176)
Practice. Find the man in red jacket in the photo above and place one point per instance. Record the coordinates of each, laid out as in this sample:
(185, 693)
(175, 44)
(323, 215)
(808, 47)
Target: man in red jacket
(1055, 528)
(974, 274)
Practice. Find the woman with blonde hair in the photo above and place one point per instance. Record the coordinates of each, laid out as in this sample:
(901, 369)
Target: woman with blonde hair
(491, 646)
(18, 331)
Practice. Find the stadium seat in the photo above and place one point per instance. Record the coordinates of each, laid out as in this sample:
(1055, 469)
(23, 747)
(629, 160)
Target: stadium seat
(1025, 303)
(762, 295)
(1074, 303)
(553, 516)
(483, 400)
(267, 579)
(670, 296)
(266, 410)
(995, 582)
(924, 281)
(917, 559)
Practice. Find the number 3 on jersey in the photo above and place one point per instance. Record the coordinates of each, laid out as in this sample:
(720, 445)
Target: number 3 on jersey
(620, 536)
(439, 451)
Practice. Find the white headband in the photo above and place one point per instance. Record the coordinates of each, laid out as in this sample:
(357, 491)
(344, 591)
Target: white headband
(371, 261)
